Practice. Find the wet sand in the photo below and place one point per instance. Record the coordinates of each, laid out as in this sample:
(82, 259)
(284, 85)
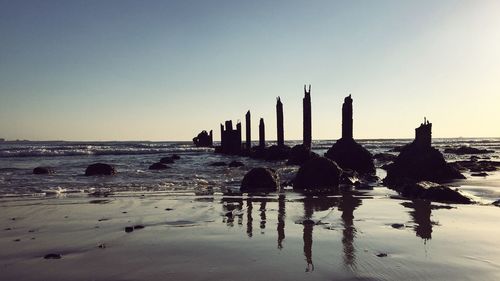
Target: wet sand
(354, 236)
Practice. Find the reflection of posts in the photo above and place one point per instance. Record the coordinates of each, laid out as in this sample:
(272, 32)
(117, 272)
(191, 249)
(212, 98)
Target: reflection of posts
(249, 218)
(308, 224)
(281, 220)
(228, 206)
(263, 214)
(347, 205)
(421, 216)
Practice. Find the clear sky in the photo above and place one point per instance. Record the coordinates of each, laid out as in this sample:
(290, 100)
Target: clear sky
(165, 70)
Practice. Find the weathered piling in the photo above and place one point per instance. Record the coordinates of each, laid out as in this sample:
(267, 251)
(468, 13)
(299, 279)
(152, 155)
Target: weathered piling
(248, 132)
(307, 122)
(347, 118)
(230, 138)
(262, 134)
(423, 134)
(279, 120)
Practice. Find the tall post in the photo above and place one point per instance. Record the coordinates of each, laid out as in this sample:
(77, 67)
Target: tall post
(347, 118)
(222, 136)
(262, 134)
(306, 107)
(279, 120)
(248, 134)
(211, 138)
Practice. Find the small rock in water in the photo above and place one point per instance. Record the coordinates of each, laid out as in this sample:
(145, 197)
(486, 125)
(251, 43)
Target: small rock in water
(398, 225)
(17, 240)
(52, 256)
(43, 171)
(139, 226)
(381, 255)
(496, 203)
(158, 166)
(235, 164)
(482, 174)
(129, 229)
(101, 246)
(218, 164)
(8, 228)
(100, 169)
(169, 209)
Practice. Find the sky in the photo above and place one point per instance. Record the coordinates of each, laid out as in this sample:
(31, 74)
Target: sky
(165, 70)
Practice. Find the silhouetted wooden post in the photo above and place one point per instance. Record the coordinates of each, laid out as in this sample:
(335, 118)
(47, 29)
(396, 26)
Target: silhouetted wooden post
(211, 138)
(262, 134)
(347, 118)
(423, 134)
(248, 134)
(306, 107)
(279, 120)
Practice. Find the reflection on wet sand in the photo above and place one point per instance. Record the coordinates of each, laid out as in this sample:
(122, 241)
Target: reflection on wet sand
(421, 216)
(346, 204)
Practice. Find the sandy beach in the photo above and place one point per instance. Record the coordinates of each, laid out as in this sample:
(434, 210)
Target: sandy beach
(354, 236)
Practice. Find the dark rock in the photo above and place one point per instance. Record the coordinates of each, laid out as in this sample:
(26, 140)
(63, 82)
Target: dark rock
(139, 226)
(235, 164)
(433, 192)
(349, 177)
(384, 157)
(348, 154)
(275, 153)
(52, 256)
(300, 154)
(43, 171)
(159, 166)
(482, 174)
(101, 246)
(467, 150)
(175, 157)
(478, 166)
(169, 209)
(398, 225)
(260, 180)
(203, 139)
(496, 203)
(167, 160)
(99, 169)
(420, 163)
(218, 164)
(129, 229)
(318, 174)
(381, 255)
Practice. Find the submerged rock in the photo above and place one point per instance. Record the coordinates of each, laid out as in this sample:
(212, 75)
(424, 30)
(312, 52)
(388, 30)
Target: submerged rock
(348, 154)
(234, 164)
(167, 160)
(260, 180)
(467, 150)
(318, 174)
(218, 164)
(43, 171)
(477, 166)
(99, 169)
(158, 166)
(300, 154)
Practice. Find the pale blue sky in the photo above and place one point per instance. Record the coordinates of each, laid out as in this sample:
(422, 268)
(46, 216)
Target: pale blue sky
(164, 70)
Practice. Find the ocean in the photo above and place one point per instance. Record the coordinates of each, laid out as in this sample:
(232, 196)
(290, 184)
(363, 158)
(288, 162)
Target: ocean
(191, 174)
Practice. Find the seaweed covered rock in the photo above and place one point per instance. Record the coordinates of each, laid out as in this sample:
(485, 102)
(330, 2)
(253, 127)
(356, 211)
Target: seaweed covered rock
(318, 174)
(100, 169)
(348, 154)
(300, 154)
(277, 152)
(260, 180)
(43, 171)
(420, 163)
(433, 192)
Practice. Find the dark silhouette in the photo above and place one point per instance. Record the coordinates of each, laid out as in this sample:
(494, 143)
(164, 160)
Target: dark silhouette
(260, 180)
(421, 216)
(307, 120)
(346, 151)
(230, 138)
(262, 210)
(100, 169)
(307, 237)
(248, 143)
(262, 134)
(204, 139)
(43, 171)
(231, 208)
(158, 166)
(279, 123)
(317, 175)
(420, 161)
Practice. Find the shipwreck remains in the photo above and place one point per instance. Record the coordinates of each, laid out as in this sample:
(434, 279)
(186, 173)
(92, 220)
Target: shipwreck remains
(262, 134)
(204, 139)
(248, 134)
(280, 150)
(230, 138)
(346, 152)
